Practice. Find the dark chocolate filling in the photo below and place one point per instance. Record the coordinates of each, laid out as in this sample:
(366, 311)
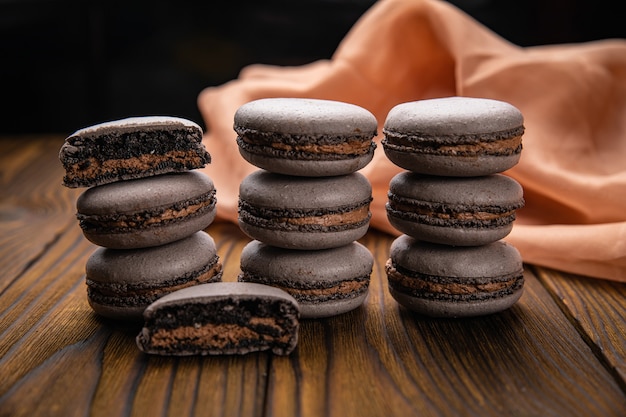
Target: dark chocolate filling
(277, 219)
(327, 290)
(427, 144)
(447, 215)
(324, 148)
(452, 288)
(127, 222)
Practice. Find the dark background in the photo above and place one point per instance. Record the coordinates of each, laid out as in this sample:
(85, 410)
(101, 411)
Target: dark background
(67, 64)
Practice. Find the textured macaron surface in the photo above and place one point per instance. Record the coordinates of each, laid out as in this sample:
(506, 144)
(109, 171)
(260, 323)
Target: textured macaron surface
(454, 119)
(455, 274)
(131, 148)
(279, 201)
(454, 136)
(311, 118)
(454, 199)
(221, 318)
(125, 207)
(307, 137)
(124, 282)
(309, 276)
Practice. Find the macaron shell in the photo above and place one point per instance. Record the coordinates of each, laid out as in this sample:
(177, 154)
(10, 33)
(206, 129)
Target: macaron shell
(305, 116)
(452, 123)
(153, 236)
(294, 270)
(305, 137)
(444, 165)
(330, 201)
(148, 273)
(136, 210)
(471, 195)
(492, 260)
(151, 265)
(304, 168)
(453, 116)
(142, 194)
(446, 309)
(442, 265)
(266, 189)
(303, 240)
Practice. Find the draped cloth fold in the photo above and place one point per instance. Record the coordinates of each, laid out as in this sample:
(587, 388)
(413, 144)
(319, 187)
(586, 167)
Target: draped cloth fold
(572, 96)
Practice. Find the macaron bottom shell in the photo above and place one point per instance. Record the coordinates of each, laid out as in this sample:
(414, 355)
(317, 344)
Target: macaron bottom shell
(454, 236)
(325, 309)
(451, 165)
(455, 309)
(303, 240)
(308, 168)
(153, 235)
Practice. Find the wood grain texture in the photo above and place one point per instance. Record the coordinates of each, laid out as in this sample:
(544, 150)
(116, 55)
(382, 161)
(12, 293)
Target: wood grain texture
(560, 351)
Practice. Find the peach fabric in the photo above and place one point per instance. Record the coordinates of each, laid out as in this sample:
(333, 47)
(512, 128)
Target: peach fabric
(573, 98)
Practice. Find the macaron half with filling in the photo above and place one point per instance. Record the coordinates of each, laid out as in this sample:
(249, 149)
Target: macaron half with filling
(310, 213)
(325, 282)
(459, 211)
(147, 212)
(136, 147)
(222, 318)
(443, 281)
(305, 137)
(454, 136)
(122, 283)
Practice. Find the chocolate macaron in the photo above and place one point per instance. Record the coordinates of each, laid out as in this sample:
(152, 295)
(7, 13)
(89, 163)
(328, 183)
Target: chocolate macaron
(310, 213)
(325, 282)
(459, 211)
(442, 281)
(305, 137)
(147, 212)
(132, 148)
(222, 318)
(122, 283)
(454, 136)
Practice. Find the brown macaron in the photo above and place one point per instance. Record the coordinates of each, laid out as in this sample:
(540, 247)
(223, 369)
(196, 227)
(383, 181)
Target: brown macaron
(147, 212)
(122, 283)
(304, 212)
(459, 211)
(454, 136)
(444, 281)
(305, 137)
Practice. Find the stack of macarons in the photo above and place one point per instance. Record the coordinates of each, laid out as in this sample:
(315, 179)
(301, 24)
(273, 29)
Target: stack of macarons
(306, 206)
(453, 205)
(146, 206)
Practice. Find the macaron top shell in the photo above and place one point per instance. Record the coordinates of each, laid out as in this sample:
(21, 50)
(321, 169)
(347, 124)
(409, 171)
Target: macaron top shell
(157, 264)
(215, 291)
(496, 189)
(492, 260)
(265, 189)
(299, 116)
(134, 195)
(145, 124)
(454, 116)
(333, 265)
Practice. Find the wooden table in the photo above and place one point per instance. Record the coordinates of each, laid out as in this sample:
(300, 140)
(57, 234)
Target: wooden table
(560, 351)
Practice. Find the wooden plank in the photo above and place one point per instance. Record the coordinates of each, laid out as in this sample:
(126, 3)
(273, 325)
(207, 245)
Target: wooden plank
(34, 208)
(559, 351)
(598, 309)
(383, 360)
(58, 358)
